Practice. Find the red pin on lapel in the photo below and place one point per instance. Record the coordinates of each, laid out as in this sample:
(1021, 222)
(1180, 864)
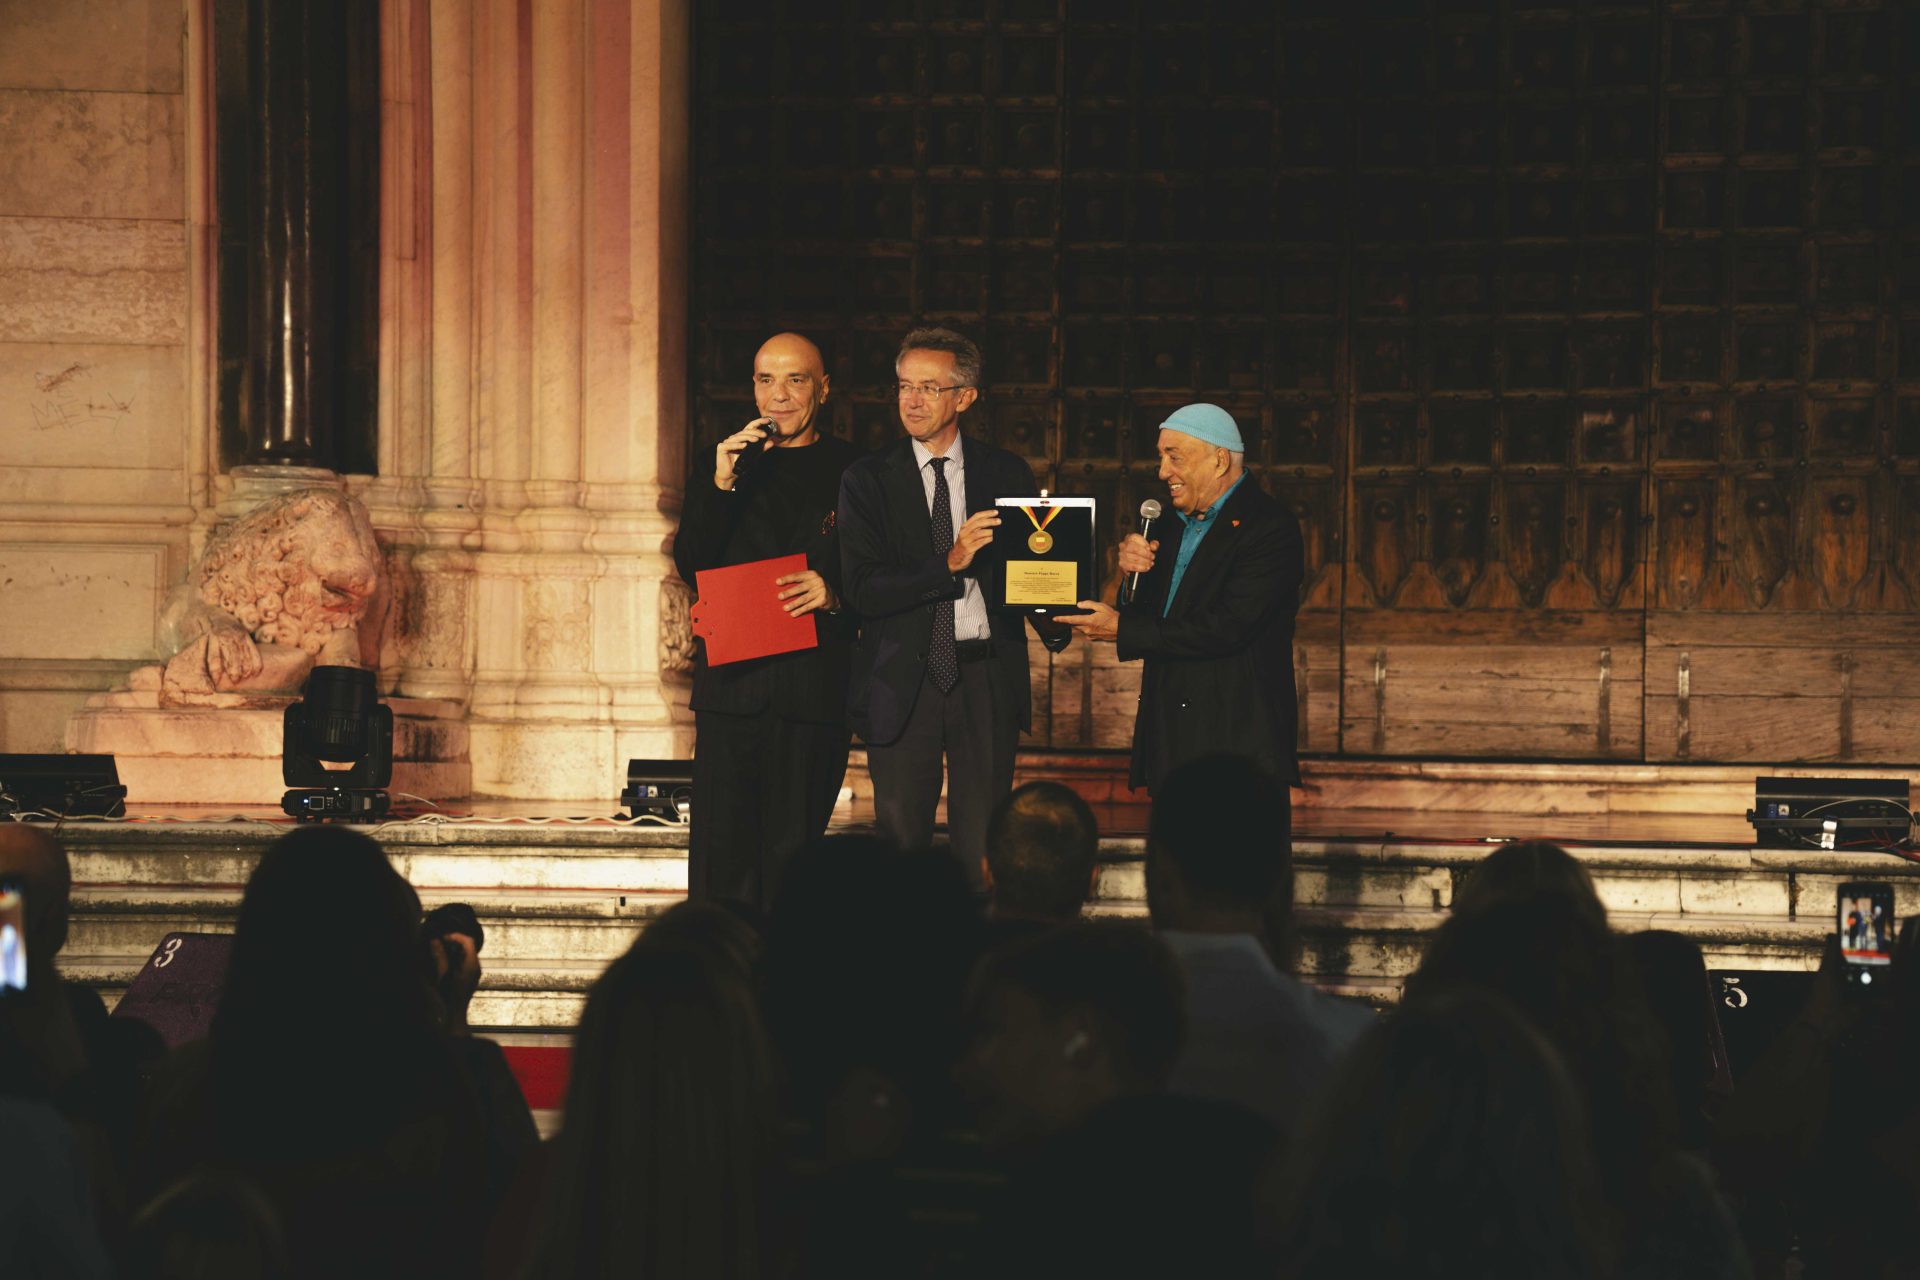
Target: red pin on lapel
(1236, 524)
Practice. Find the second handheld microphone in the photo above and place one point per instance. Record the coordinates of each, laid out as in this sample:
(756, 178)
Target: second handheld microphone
(1149, 512)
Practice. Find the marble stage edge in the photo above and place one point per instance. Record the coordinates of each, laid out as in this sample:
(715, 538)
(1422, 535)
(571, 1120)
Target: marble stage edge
(1379, 848)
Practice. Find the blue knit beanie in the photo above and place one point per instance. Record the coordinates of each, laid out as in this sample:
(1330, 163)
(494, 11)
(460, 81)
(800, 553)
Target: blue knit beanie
(1208, 423)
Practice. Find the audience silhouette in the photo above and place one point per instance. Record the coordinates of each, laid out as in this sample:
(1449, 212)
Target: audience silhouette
(1220, 893)
(887, 1077)
(328, 1079)
(1453, 1143)
(1042, 855)
(666, 1163)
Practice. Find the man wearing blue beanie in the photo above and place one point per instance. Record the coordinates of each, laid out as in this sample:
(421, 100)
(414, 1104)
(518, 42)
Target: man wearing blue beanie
(1213, 617)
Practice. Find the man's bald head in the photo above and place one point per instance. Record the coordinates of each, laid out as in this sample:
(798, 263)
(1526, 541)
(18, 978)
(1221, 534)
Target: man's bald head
(789, 386)
(796, 345)
(30, 855)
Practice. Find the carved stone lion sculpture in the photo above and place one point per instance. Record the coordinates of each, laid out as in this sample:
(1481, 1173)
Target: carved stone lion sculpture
(285, 587)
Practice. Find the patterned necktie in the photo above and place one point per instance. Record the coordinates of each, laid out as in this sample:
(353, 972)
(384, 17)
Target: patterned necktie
(943, 665)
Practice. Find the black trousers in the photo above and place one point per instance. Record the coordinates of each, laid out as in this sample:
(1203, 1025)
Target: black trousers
(978, 747)
(763, 788)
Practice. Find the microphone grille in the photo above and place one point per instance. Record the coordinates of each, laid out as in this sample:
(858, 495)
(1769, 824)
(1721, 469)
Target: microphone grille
(1150, 509)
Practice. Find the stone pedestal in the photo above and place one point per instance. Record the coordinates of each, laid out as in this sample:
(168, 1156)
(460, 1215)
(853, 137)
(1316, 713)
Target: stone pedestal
(225, 748)
(250, 486)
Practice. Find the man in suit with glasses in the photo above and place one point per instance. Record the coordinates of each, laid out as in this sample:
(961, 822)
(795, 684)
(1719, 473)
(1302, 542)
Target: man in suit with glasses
(937, 675)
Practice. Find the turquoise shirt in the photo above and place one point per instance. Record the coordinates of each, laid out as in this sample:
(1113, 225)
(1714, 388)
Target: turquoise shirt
(1196, 529)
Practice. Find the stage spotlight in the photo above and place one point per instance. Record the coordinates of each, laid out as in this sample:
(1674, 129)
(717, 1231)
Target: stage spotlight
(49, 787)
(659, 788)
(338, 721)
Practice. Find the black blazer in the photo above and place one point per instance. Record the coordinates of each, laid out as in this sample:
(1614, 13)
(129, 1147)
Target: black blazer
(1219, 666)
(892, 580)
(778, 507)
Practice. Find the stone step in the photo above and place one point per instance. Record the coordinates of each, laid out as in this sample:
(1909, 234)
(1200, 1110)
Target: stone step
(544, 954)
(560, 900)
(517, 995)
(559, 888)
(1367, 954)
(559, 927)
(1504, 789)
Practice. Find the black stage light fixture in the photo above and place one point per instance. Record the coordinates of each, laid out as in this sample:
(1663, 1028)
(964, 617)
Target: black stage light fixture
(659, 788)
(1829, 813)
(49, 787)
(338, 720)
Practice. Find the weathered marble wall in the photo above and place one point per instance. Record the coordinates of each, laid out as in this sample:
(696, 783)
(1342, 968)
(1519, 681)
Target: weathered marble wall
(533, 378)
(101, 422)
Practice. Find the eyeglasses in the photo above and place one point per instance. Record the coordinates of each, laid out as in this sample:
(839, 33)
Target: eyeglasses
(910, 390)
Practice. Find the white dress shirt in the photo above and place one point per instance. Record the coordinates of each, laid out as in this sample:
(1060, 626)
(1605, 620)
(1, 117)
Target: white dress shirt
(970, 610)
(1255, 1035)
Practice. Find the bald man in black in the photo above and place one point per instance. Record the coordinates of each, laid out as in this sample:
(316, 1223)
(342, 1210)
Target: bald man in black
(771, 745)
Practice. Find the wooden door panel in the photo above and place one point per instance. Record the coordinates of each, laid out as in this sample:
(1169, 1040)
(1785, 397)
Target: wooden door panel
(1577, 344)
(1804, 686)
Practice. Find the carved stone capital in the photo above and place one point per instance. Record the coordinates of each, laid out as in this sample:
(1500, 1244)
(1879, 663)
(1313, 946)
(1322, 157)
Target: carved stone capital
(676, 626)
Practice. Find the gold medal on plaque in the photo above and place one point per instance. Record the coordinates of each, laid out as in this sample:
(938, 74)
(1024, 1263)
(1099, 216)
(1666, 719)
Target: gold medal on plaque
(1040, 541)
(1051, 573)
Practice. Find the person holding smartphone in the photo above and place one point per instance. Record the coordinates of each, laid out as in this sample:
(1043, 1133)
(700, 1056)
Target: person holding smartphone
(35, 882)
(13, 942)
(771, 734)
(1864, 912)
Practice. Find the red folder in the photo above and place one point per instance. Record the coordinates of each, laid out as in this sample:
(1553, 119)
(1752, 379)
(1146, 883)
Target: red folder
(740, 614)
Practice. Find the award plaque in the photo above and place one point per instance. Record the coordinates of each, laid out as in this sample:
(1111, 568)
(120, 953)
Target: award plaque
(1044, 547)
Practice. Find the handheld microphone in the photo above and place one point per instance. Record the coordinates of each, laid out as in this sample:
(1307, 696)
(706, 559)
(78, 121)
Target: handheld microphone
(752, 453)
(1149, 512)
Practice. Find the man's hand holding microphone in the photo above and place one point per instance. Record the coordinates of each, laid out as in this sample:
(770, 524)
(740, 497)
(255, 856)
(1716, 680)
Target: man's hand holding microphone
(756, 435)
(1101, 621)
(1136, 554)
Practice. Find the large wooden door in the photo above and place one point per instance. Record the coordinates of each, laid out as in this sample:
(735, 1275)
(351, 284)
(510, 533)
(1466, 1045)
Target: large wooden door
(1584, 341)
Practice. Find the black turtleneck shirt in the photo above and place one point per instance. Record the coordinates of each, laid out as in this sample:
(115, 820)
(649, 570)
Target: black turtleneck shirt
(782, 504)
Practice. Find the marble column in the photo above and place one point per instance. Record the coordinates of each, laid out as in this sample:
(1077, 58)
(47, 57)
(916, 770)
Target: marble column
(533, 375)
(426, 500)
(297, 70)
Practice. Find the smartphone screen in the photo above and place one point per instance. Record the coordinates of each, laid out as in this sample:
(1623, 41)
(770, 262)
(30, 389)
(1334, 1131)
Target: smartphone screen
(13, 939)
(1864, 918)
